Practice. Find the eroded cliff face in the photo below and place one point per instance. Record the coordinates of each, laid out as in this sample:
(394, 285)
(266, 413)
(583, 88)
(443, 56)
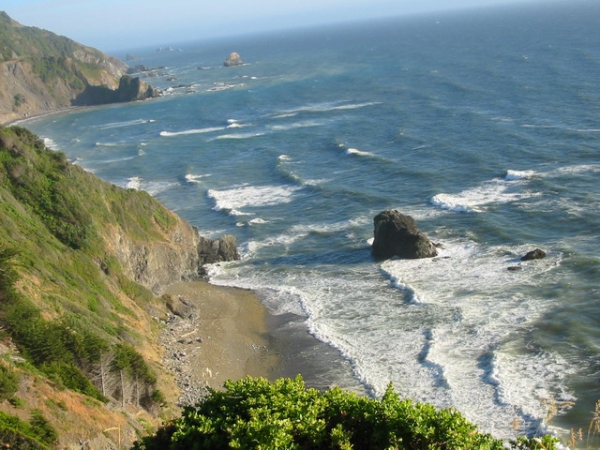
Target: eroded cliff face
(179, 256)
(41, 72)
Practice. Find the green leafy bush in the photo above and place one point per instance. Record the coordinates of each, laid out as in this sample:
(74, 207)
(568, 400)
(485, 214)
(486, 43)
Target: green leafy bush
(256, 414)
(18, 434)
(9, 382)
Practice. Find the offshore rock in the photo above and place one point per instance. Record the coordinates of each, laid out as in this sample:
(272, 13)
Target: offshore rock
(233, 60)
(534, 254)
(397, 234)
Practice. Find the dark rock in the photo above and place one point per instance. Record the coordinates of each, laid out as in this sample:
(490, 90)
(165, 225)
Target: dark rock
(534, 254)
(233, 60)
(138, 68)
(514, 268)
(397, 235)
(130, 89)
(180, 306)
(211, 251)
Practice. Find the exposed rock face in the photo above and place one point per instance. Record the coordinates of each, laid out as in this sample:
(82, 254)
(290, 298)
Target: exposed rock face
(211, 251)
(397, 235)
(534, 254)
(130, 89)
(179, 257)
(42, 72)
(233, 60)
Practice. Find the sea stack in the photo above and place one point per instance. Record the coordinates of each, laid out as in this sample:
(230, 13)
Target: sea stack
(233, 60)
(397, 234)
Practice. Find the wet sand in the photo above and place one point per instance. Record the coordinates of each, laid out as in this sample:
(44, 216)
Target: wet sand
(228, 334)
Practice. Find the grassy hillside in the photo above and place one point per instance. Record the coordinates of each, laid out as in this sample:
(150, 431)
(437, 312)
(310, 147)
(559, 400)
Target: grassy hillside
(41, 71)
(72, 322)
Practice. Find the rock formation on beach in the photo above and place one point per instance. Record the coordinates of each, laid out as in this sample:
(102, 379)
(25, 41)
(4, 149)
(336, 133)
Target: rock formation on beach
(233, 60)
(397, 235)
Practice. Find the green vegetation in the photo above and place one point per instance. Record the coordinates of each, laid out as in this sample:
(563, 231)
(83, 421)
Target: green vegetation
(256, 414)
(9, 382)
(37, 434)
(68, 319)
(55, 71)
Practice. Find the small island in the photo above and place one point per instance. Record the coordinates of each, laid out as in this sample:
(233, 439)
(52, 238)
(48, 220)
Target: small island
(233, 60)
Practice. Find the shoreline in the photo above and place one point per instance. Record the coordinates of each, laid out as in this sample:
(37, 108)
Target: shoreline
(221, 333)
(39, 115)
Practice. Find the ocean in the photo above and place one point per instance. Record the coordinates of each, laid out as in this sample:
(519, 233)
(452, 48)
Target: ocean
(483, 125)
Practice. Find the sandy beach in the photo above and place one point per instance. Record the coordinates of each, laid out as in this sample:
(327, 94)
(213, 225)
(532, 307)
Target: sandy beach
(220, 333)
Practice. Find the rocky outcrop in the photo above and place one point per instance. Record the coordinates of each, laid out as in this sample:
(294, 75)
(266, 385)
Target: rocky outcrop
(397, 235)
(534, 254)
(179, 256)
(130, 89)
(233, 60)
(211, 251)
(41, 72)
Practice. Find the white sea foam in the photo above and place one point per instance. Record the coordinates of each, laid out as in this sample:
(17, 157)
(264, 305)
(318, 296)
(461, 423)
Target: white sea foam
(192, 131)
(575, 170)
(125, 123)
(248, 196)
(472, 303)
(326, 107)
(514, 175)
(134, 183)
(151, 187)
(238, 136)
(495, 191)
(257, 221)
(353, 151)
(49, 143)
(302, 124)
(191, 178)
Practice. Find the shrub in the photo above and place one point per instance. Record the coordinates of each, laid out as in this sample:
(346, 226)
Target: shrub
(9, 382)
(254, 413)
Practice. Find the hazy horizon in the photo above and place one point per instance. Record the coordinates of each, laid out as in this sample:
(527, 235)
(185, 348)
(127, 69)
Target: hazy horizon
(111, 25)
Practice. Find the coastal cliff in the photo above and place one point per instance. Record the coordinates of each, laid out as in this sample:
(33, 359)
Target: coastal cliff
(83, 269)
(42, 72)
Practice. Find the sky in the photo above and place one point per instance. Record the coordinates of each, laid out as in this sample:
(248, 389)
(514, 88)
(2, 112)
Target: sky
(112, 25)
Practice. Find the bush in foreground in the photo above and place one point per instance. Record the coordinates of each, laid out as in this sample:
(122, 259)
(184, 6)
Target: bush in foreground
(255, 414)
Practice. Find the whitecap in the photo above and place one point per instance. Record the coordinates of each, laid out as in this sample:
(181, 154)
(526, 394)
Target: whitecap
(515, 175)
(353, 151)
(248, 196)
(125, 123)
(49, 143)
(152, 187)
(495, 191)
(327, 106)
(191, 178)
(192, 131)
(238, 136)
(303, 124)
(257, 221)
(134, 183)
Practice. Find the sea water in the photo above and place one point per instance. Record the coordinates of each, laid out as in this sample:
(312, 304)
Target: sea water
(484, 126)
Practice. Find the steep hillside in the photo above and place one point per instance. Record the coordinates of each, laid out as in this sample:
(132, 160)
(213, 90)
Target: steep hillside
(82, 265)
(41, 71)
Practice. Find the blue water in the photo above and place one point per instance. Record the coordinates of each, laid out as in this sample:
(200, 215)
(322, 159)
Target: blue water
(483, 126)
